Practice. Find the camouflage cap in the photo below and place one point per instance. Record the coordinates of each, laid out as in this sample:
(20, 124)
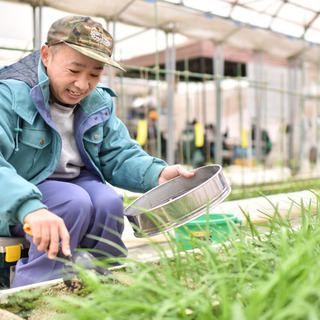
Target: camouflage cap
(84, 35)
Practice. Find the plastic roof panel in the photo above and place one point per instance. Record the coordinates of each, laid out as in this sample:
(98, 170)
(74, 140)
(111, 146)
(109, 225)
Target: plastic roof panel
(277, 27)
(95, 8)
(293, 18)
(313, 5)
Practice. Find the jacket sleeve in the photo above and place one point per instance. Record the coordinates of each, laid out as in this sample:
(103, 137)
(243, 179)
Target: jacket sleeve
(124, 163)
(18, 197)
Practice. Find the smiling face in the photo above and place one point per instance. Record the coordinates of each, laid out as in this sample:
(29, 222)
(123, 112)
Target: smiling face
(72, 75)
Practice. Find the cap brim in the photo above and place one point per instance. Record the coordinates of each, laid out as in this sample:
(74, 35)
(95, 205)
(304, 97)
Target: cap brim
(97, 55)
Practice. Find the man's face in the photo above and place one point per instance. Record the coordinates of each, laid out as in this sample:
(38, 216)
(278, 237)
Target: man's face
(72, 75)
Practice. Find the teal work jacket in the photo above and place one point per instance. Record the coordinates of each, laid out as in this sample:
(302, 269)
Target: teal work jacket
(30, 145)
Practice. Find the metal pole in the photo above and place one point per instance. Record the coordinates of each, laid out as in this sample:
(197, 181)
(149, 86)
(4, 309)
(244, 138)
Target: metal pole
(258, 101)
(303, 156)
(34, 27)
(170, 65)
(188, 149)
(204, 120)
(318, 114)
(282, 126)
(111, 71)
(157, 76)
(291, 111)
(37, 27)
(241, 126)
(218, 72)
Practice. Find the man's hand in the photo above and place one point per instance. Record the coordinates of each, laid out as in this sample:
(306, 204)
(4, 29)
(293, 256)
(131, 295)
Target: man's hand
(174, 171)
(47, 229)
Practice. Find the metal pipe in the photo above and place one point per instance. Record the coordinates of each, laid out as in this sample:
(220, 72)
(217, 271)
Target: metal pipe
(218, 59)
(170, 65)
(37, 26)
(318, 114)
(282, 124)
(252, 83)
(16, 49)
(157, 74)
(302, 154)
(241, 126)
(258, 62)
(188, 149)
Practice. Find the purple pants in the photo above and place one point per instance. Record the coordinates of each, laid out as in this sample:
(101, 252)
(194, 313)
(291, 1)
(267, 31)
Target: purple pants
(88, 207)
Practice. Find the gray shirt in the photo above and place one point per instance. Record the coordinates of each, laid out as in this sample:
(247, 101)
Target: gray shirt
(70, 162)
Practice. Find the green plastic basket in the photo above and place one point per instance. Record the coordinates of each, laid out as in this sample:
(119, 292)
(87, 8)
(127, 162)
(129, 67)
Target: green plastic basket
(214, 227)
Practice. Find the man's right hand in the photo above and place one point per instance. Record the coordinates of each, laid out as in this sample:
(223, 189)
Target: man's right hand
(47, 229)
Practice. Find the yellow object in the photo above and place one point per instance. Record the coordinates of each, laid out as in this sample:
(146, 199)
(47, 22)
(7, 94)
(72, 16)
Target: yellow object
(245, 162)
(13, 253)
(142, 132)
(199, 135)
(27, 229)
(199, 233)
(244, 138)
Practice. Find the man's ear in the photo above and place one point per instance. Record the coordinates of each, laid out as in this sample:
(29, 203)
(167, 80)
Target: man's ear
(45, 53)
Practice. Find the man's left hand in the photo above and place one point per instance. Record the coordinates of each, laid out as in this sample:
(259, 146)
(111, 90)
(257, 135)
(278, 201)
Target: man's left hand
(174, 171)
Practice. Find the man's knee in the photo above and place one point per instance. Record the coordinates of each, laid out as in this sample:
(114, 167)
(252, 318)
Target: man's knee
(116, 205)
(110, 205)
(77, 210)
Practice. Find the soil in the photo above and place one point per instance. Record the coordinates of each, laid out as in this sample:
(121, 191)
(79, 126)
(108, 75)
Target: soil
(43, 311)
(60, 289)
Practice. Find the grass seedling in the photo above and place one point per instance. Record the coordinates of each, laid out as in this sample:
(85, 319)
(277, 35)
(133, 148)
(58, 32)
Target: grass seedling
(265, 272)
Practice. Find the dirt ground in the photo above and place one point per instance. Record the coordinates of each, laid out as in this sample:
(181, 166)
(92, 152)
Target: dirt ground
(42, 311)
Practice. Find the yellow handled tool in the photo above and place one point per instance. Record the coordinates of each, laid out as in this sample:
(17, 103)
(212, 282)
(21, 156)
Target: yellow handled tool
(27, 229)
